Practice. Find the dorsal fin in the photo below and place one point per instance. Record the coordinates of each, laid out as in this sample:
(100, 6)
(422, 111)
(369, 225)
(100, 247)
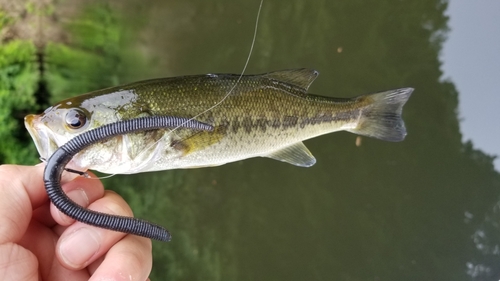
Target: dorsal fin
(301, 77)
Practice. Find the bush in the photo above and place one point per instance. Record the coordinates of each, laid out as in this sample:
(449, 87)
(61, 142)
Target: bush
(18, 82)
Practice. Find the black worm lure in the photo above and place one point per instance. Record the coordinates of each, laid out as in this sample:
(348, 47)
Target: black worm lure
(57, 162)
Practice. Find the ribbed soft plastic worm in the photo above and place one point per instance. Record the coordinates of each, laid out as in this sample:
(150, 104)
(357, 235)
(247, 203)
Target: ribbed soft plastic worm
(61, 157)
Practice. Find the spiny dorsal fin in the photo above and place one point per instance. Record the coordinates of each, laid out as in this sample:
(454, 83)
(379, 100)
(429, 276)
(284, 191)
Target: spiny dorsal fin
(296, 154)
(302, 77)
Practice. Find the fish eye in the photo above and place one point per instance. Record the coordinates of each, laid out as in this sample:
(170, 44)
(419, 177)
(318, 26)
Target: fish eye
(75, 118)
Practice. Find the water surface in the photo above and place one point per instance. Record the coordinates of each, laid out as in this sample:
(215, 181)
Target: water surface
(423, 209)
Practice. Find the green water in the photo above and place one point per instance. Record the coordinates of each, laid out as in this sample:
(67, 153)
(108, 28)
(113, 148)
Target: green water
(423, 209)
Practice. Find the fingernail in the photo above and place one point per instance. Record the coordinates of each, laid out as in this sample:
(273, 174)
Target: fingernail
(79, 196)
(78, 247)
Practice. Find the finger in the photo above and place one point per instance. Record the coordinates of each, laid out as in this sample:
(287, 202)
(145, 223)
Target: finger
(42, 215)
(21, 191)
(81, 244)
(17, 263)
(82, 191)
(41, 241)
(129, 259)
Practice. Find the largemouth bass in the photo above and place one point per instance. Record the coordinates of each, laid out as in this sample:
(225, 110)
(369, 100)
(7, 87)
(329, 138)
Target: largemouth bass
(266, 115)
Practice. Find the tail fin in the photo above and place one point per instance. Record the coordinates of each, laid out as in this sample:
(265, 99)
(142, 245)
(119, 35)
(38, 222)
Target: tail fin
(381, 118)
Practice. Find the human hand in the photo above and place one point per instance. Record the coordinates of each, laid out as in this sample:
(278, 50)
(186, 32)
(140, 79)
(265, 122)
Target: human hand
(38, 242)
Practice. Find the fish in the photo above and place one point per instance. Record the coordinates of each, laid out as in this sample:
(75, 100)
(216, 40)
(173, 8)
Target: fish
(260, 115)
(56, 164)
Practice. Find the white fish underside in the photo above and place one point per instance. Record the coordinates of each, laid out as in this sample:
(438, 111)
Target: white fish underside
(285, 146)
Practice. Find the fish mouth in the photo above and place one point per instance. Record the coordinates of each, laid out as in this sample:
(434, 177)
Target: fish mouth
(41, 136)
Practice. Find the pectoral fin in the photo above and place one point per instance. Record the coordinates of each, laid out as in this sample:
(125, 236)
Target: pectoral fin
(199, 140)
(296, 154)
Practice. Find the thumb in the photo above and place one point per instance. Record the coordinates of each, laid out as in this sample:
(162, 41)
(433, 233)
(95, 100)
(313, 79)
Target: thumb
(21, 191)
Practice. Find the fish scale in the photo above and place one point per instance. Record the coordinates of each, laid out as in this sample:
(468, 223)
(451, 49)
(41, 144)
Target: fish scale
(266, 115)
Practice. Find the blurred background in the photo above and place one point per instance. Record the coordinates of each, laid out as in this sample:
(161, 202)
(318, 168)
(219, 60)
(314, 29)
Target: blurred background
(424, 209)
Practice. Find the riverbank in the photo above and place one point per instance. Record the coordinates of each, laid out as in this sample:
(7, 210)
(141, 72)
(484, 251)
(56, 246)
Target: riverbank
(50, 52)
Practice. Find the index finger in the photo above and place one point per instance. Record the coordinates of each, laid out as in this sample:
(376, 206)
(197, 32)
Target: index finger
(21, 190)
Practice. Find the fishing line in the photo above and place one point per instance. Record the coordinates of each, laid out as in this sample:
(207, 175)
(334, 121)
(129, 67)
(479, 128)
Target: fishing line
(101, 178)
(105, 177)
(58, 160)
(206, 110)
(244, 67)
(235, 84)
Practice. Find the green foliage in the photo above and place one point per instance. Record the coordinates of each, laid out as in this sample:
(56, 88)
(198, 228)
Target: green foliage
(380, 211)
(18, 82)
(40, 10)
(5, 20)
(92, 58)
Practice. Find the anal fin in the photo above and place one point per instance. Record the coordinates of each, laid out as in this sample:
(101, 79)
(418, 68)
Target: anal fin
(296, 154)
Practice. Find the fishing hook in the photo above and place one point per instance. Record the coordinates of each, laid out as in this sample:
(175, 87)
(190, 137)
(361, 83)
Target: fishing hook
(57, 162)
